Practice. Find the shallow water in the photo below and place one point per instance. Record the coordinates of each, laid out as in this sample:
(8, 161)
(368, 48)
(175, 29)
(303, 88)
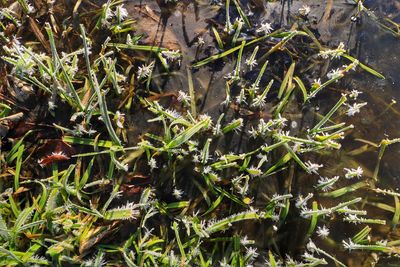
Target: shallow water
(179, 27)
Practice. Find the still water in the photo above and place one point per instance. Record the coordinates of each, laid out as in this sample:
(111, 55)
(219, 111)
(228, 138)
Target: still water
(187, 27)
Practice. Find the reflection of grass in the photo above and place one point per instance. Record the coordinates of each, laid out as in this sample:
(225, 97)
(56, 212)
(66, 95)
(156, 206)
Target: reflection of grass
(183, 194)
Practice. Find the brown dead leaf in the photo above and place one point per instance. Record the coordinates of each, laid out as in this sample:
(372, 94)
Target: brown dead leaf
(95, 235)
(38, 34)
(150, 25)
(20, 190)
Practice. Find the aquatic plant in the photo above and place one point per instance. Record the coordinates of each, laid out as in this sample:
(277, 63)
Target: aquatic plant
(186, 190)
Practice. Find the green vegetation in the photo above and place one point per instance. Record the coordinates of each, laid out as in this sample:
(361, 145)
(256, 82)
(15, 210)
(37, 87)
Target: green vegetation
(76, 190)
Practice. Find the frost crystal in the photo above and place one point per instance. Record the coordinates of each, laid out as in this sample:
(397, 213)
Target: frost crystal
(351, 173)
(265, 27)
(323, 232)
(304, 10)
(145, 70)
(355, 108)
(313, 167)
(152, 163)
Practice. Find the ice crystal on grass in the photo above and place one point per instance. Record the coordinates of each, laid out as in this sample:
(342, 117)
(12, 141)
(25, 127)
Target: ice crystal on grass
(311, 246)
(152, 163)
(355, 108)
(334, 74)
(254, 171)
(200, 41)
(121, 12)
(172, 114)
(126, 212)
(325, 183)
(354, 173)
(107, 15)
(251, 63)
(313, 167)
(350, 245)
(177, 193)
(304, 10)
(183, 97)
(97, 260)
(244, 241)
(241, 98)
(333, 53)
(302, 201)
(145, 70)
(119, 119)
(265, 28)
(171, 55)
(323, 231)
(354, 94)
(251, 253)
(280, 198)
